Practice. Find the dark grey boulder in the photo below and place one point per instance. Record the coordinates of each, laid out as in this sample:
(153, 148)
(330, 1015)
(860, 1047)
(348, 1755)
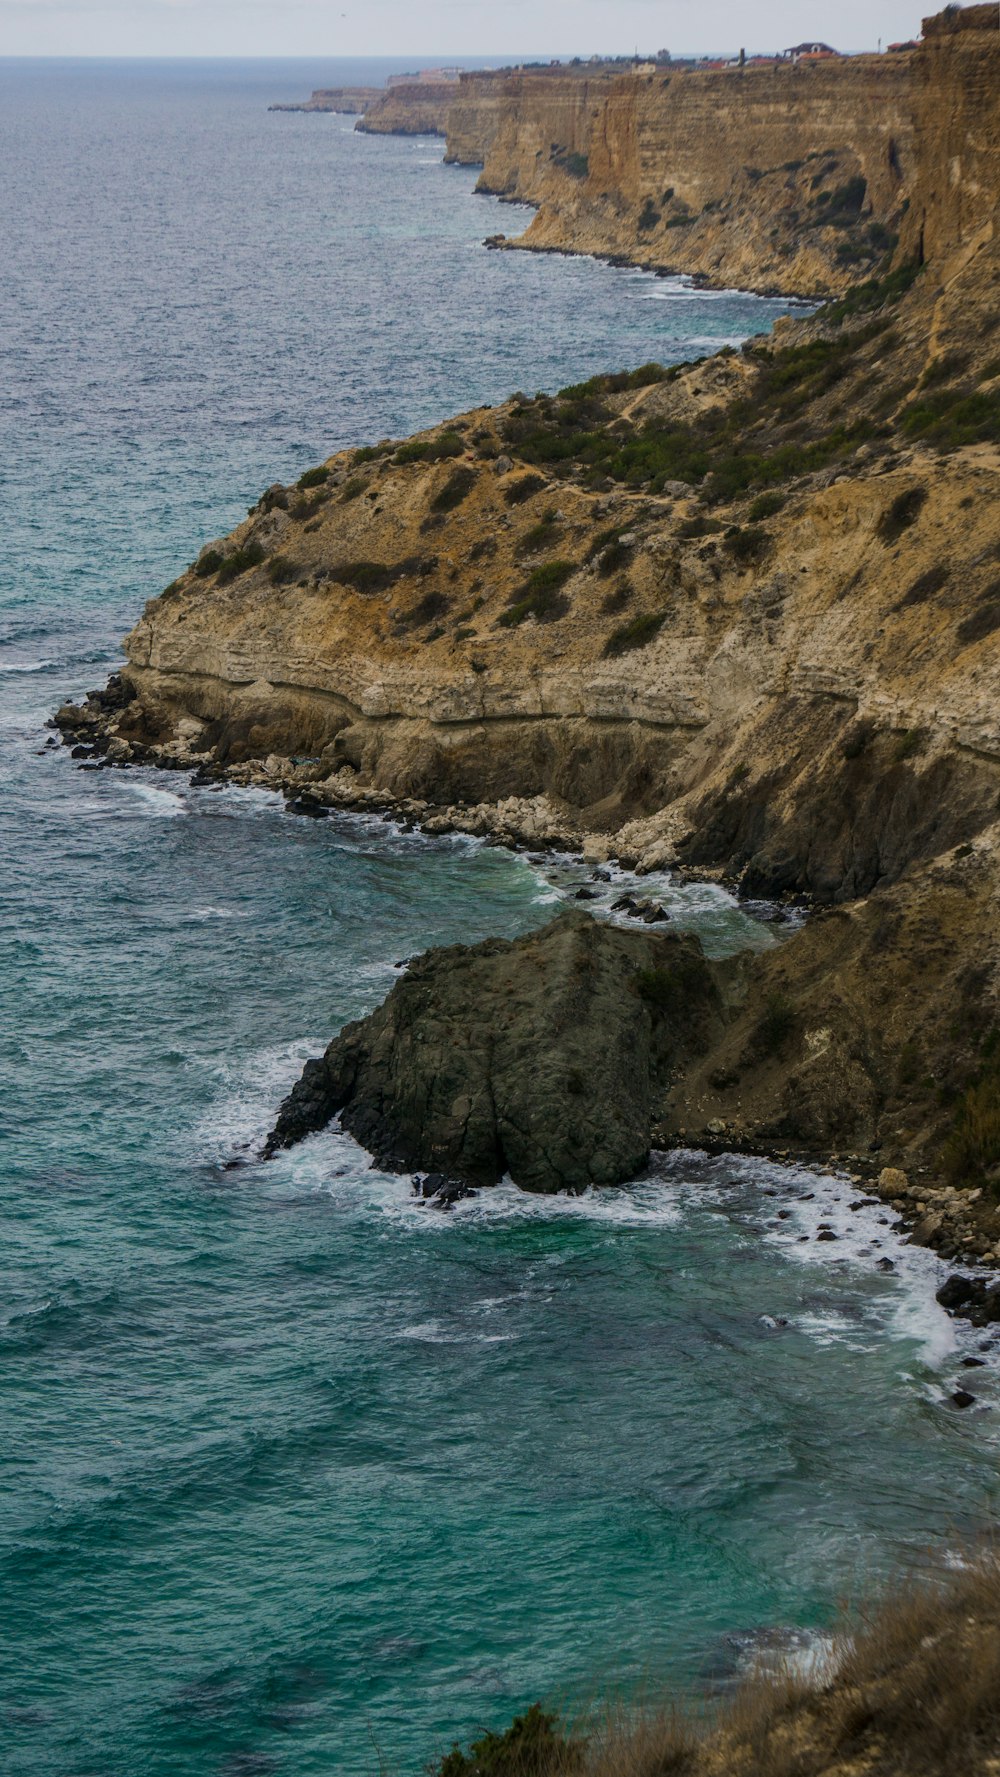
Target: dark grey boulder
(544, 1058)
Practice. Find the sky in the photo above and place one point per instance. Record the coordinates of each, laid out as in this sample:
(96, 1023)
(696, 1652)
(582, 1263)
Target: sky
(499, 29)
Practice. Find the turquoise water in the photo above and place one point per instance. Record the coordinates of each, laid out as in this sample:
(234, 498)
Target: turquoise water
(296, 1473)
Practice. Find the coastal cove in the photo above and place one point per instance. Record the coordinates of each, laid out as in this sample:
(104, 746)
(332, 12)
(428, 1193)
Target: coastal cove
(303, 1473)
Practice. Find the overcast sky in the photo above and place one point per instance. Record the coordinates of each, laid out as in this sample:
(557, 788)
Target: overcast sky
(398, 28)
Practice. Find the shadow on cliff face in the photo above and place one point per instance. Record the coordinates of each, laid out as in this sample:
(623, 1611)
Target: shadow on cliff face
(843, 808)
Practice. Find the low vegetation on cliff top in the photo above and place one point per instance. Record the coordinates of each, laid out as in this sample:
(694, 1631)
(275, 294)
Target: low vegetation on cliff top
(809, 405)
(913, 1691)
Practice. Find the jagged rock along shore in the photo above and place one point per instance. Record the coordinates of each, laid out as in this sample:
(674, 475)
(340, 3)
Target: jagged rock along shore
(738, 617)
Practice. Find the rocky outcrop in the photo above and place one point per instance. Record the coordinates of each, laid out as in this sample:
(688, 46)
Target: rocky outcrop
(418, 110)
(563, 1057)
(351, 101)
(543, 1058)
(806, 699)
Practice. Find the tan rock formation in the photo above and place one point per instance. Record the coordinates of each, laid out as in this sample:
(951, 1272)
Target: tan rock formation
(743, 617)
(786, 178)
(418, 110)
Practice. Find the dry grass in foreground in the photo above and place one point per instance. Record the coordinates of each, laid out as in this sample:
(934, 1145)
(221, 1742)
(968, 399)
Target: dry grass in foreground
(915, 1692)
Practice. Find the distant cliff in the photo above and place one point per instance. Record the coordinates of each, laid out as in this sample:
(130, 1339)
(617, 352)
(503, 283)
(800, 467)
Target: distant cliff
(793, 178)
(418, 110)
(351, 101)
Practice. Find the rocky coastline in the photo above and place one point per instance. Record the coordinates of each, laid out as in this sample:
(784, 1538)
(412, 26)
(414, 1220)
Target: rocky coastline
(737, 618)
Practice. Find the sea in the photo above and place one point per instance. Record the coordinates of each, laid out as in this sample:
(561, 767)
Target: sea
(298, 1475)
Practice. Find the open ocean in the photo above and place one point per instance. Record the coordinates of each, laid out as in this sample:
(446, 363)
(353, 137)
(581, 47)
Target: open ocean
(297, 1476)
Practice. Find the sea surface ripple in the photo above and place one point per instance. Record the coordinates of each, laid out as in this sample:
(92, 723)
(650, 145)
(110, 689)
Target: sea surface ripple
(296, 1473)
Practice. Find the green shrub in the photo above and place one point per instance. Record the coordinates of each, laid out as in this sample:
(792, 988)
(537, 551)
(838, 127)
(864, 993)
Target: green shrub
(635, 634)
(352, 488)
(365, 576)
(431, 450)
(517, 491)
(240, 562)
(454, 491)
(982, 622)
(649, 216)
(209, 563)
(876, 293)
(413, 452)
(748, 547)
(535, 1745)
(775, 1025)
(904, 511)
(550, 576)
(541, 596)
(765, 506)
(313, 478)
(368, 453)
(951, 418)
(540, 536)
(281, 569)
(576, 165)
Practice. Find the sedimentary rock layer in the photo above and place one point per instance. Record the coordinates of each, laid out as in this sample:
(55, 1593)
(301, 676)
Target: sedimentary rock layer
(741, 616)
(791, 177)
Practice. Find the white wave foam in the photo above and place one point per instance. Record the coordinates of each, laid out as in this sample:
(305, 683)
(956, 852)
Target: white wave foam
(199, 914)
(26, 666)
(161, 804)
(705, 907)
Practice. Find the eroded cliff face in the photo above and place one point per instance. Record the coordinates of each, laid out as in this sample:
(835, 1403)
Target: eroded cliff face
(417, 110)
(788, 178)
(738, 617)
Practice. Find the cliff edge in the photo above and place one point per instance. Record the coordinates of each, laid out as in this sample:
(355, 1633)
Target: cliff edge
(739, 617)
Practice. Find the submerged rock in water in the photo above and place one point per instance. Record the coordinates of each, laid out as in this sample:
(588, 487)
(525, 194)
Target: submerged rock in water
(543, 1058)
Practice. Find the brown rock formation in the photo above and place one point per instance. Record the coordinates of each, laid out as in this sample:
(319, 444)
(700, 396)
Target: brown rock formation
(351, 101)
(790, 177)
(743, 616)
(418, 110)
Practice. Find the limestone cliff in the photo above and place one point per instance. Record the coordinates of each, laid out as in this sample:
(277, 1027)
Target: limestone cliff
(790, 177)
(418, 110)
(740, 616)
(351, 101)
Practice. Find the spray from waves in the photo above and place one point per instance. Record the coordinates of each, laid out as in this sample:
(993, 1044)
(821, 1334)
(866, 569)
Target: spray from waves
(161, 804)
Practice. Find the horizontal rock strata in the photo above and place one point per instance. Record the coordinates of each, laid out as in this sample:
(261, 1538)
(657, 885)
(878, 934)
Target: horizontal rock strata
(739, 617)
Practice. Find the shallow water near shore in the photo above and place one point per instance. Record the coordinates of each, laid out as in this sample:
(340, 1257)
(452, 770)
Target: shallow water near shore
(294, 1467)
